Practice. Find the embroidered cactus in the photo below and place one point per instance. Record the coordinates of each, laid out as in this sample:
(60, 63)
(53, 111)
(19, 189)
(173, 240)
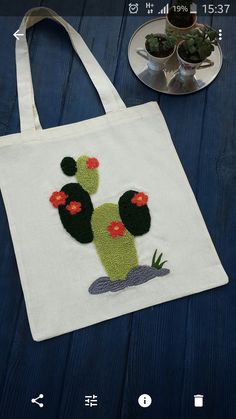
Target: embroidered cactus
(77, 212)
(87, 173)
(112, 227)
(85, 170)
(134, 212)
(114, 244)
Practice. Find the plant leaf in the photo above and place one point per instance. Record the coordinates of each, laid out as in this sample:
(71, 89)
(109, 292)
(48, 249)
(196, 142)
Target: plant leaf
(161, 264)
(159, 258)
(154, 257)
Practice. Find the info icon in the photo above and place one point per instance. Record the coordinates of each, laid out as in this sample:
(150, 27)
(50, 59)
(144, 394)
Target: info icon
(144, 400)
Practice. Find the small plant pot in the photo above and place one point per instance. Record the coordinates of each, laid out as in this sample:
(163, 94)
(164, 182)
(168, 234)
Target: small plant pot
(155, 63)
(188, 69)
(178, 31)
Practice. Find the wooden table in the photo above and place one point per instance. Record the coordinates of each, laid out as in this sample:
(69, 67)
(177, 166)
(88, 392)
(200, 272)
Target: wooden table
(171, 351)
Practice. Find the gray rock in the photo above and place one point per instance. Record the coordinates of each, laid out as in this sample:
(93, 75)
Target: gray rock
(136, 276)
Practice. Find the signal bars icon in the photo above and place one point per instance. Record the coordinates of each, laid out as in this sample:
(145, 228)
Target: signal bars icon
(165, 10)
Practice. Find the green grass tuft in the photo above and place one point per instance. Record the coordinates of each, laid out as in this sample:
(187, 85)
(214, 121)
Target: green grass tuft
(157, 263)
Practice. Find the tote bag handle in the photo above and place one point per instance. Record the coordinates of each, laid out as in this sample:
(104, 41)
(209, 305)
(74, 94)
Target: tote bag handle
(29, 119)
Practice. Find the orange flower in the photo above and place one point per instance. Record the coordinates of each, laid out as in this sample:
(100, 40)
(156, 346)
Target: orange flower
(74, 207)
(58, 198)
(139, 199)
(116, 228)
(92, 163)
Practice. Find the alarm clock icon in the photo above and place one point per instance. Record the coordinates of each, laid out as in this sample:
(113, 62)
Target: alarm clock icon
(133, 8)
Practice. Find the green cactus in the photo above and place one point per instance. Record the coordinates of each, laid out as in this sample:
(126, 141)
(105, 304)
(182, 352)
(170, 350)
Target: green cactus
(87, 173)
(85, 169)
(114, 244)
(136, 217)
(78, 225)
(112, 227)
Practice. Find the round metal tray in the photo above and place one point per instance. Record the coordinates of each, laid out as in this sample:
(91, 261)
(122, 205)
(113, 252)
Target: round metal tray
(169, 81)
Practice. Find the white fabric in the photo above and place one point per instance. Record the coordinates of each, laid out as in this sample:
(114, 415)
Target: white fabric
(135, 151)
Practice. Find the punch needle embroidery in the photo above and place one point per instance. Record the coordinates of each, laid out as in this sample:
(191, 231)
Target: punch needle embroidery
(139, 199)
(116, 229)
(112, 227)
(58, 198)
(92, 163)
(74, 207)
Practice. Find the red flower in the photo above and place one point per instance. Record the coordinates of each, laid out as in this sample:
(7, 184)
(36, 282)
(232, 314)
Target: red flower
(74, 207)
(139, 199)
(116, 228)
(92, 163)
(58, 198)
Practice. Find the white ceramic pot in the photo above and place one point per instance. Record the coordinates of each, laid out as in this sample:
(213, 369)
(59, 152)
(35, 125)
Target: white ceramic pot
(188, 69)
(154, 63)
(170, 28)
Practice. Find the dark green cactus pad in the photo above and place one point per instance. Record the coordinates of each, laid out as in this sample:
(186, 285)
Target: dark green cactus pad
(77, 225)
(136, 218)
(69, 167)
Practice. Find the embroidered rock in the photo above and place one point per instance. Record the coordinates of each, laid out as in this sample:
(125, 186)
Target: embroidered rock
(135, 276)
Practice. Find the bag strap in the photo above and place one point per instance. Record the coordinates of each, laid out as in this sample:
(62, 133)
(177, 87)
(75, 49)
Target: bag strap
(29, 118)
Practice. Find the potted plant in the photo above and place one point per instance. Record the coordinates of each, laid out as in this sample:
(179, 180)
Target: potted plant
(179, 19)
(159, 48)
(195, 48)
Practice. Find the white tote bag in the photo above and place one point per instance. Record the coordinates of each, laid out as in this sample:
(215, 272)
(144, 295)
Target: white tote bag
(102, 217)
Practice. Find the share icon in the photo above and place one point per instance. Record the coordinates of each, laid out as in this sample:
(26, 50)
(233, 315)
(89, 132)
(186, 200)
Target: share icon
(36, 400)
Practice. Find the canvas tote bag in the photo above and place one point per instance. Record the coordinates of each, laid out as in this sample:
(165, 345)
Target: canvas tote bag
(101, 214)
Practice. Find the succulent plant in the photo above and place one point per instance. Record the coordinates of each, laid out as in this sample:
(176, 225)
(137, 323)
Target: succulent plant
(158, 263)
(198, 44)
(160, 45)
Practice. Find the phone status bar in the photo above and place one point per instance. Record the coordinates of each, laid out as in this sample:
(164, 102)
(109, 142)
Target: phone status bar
(155, 8)
(200, 8)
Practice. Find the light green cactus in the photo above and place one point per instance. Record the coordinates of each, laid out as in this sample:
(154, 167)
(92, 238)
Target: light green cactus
(87, 173)
(117, 252)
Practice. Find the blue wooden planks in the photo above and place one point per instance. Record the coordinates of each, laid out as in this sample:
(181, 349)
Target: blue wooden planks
(212, 315)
